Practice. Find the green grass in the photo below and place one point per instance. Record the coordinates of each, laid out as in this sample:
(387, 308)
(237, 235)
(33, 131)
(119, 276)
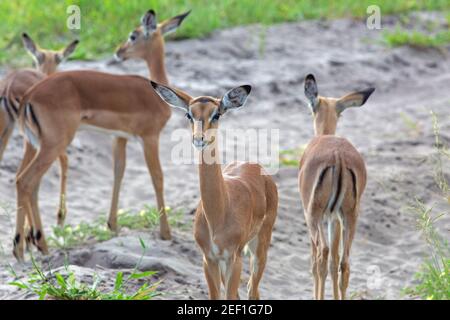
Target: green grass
(417, 39)
(105, 24)
(71, 236)
(412, 126)
(64, 286)
(291, 157)
(433, 278)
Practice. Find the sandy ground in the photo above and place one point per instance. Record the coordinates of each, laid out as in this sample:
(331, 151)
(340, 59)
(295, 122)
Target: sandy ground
(344, 55)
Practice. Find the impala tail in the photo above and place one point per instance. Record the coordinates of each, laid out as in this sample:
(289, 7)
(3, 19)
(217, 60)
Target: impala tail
(339, 187)
(29, 124)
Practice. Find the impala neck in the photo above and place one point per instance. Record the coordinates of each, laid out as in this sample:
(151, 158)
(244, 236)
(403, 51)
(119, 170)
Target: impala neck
(321, 129)
(212, 187)
(156, 64)
(325, 119)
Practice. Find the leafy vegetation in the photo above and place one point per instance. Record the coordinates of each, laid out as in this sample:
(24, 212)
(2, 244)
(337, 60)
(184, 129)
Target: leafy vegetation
(433, 279)
(71, 236)
(417, 39)
(104, 24)
(65, 286)
(291, 157)
(432, 38)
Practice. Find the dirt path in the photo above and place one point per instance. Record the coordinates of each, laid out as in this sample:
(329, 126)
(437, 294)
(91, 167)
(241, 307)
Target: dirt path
(393, 132)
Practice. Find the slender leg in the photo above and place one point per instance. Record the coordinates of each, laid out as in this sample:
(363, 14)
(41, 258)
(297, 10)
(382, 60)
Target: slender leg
(322, 262)
(119, 153)
(260, 249)
(154, 167)
(5, 133)
(20, 221)
(27, 187)
(349, 221)
(62, 211)
(315, 246)
(37, 232)
(234, 279)
(29, 153)
(258, 259)
(334, 263)
(314, 269)
(212, 275)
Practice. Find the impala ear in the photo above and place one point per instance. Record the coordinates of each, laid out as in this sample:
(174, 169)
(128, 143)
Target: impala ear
(173, 98)
(311, 91)
(149, 23)
(29, 44)
(65, 53)
(171, 25)
(70, 49)
(354, 99)
(234, 98)
(32, 48)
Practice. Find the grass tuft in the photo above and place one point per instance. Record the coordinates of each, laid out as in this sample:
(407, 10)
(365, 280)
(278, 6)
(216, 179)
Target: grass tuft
(55, 285)
(417, 39)
(291, 157)
(105, 24)
(433, 278)
(71, 236)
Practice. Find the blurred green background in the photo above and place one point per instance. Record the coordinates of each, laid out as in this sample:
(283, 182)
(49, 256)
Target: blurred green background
(105, 24)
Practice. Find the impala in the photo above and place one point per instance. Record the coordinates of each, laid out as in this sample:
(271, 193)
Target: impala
(14, 87)
(332, 179)
(238, 206)
(124, 106)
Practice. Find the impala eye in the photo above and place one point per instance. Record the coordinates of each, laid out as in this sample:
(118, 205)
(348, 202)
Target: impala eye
(188, 116)
(132, 37)
(215, 117)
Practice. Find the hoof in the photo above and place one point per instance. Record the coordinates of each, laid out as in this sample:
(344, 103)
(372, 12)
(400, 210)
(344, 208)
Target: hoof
(113, 227)
(60, 218)
(17, 252)
(165, 236)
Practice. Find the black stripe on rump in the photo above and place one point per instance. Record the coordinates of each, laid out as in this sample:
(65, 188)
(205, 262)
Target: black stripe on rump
(34, 119)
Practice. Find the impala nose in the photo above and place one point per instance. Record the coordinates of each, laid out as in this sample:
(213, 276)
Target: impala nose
(198, 142)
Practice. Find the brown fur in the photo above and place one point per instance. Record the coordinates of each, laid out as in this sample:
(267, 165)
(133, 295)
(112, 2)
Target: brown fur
(66, 100)
(332, 179)
(124, 103)
(13, 89)
(238, 207)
